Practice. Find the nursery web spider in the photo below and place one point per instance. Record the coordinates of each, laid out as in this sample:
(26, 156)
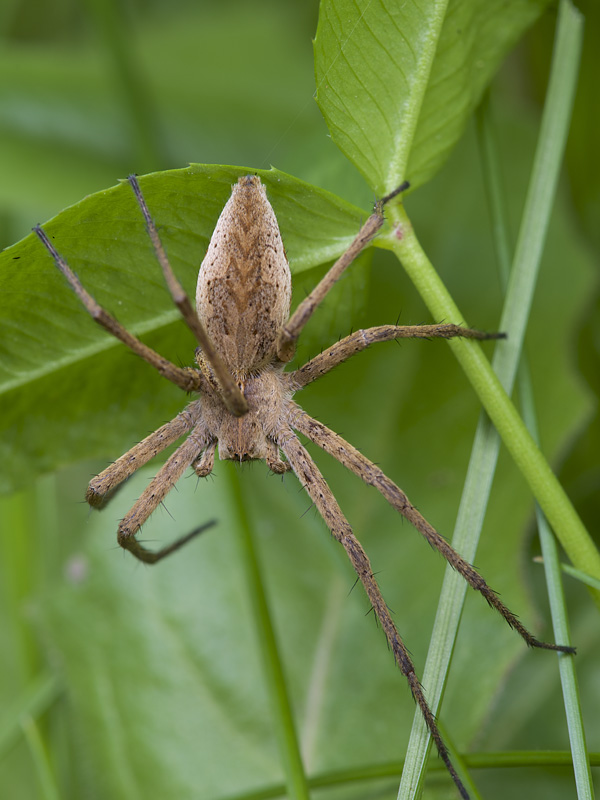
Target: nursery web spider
(246, 337)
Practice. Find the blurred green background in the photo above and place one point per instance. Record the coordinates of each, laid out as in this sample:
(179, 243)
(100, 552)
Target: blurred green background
(122, 682)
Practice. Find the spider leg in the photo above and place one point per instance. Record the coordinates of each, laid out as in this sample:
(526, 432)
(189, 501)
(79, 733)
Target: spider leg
(288, 335)
(360, 340)
(103, 486)
(155, 493)
(232, 395)
(310, 477)
(354, 460)
(187, 379)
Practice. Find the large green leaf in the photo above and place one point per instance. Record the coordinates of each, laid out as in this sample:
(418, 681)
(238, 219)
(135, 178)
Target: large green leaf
(63, 379)
(397, 82)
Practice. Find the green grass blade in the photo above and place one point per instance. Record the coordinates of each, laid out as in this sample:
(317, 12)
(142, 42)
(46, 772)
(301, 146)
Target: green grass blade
(580, 576)
(504, 759)
(560, 622)
(135, 94)
(558, 609)
(297, 786)
(516, 310)
(542, 187)
(47, 783)
(35, 700)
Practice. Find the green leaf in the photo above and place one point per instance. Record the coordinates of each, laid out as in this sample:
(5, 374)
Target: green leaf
(397, 82)
(62, 379)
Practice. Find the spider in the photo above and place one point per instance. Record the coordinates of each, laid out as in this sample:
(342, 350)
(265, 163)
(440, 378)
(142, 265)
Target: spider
(246, 337)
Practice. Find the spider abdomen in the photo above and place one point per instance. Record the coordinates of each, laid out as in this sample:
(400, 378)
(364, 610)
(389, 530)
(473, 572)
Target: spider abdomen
(244, 284)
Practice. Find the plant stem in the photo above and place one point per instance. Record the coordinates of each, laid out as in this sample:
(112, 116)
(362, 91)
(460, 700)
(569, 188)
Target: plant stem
(46, 780)
(505, 759)
(136, 97)
(488, 385)
(580, 576)
(566, 665)
(35, 699)
(297, 785)
(558, 609)
(543, 483)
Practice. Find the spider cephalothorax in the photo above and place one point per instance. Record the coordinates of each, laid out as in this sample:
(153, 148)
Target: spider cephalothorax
(245, 407)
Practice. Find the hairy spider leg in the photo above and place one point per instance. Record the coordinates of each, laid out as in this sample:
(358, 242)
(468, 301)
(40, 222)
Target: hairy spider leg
(288, 336)
(361, 339)
(186, 378)
(316, 487)
(372, 475)
(156, 491)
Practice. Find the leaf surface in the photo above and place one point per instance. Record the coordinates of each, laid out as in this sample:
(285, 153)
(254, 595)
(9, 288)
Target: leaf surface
(397, 82)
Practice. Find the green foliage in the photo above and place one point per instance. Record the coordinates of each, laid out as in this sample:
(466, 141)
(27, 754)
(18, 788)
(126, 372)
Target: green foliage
(161, 687)
(397, 82)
